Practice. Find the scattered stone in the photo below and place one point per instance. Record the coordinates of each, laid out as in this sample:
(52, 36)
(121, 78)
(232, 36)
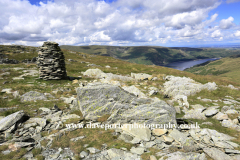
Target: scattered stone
(141, 133)
(220, 116)
(231, 111)
(93, 150)
(159, 132)
(83, 154)
(178, 136)
(210, 112)
(138, 150)
(168, 140)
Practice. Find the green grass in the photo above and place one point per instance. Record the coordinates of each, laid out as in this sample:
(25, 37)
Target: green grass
(227, 68)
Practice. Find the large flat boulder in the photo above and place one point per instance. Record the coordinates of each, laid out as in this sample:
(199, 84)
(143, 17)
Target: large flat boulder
(97, 99)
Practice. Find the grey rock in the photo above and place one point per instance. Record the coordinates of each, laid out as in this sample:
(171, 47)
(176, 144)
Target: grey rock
(152, 157)
(28, 155)
(16, 94)
(227, 123)
(190, 146)
(223, 144)
(92, 96)
(178, 136)
(225, 108)
(184, 156)
(168, 140)
(33, 96)
(210, 112)
(231, 111)
(141, 133)
(150, 144)
(220, 116)
(206, 100)
(127, 138)
(93, 150)
(83, 154)
(77, 138)
(195, 114)
(69, 116)
(6, 90)
(117, 154)
(159, 132)
(40, 121)
(138, 150)
(135, 140)
(236, 157)
(184, 86)
(141, 76)
(230, 151)
(6, 152)
(216, 154)
(134, 90)
(10, 120)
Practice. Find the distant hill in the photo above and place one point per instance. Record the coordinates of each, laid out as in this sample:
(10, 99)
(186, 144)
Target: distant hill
(152, 54)
(228, 68)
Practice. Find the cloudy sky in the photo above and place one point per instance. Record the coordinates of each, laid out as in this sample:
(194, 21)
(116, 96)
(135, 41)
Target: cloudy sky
(120, 22)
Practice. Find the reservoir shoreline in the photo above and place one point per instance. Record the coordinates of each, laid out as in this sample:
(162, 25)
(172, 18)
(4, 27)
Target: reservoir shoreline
(182, 65)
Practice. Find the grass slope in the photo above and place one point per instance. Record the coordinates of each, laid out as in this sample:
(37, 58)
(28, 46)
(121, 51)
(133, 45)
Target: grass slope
(152, 54)
(227, 68)
(96, 137)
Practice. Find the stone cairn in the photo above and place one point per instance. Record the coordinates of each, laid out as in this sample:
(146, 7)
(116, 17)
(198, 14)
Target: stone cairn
(50, 62)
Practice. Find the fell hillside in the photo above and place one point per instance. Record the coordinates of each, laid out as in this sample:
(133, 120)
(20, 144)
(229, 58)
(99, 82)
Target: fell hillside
(152, 54)
(62, 119)
(227, 68)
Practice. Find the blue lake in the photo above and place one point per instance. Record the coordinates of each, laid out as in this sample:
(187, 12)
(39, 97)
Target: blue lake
(181, 65)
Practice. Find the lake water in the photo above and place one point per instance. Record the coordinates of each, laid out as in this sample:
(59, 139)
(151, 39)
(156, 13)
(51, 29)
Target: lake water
(181, 65)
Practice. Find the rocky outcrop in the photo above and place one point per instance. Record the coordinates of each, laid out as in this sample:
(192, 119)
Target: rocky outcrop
(185, 86)
(97, 99)
(51, 62)
(97, 73)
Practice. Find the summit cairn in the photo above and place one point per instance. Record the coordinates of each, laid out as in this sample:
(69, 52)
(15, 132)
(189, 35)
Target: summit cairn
(51, 62)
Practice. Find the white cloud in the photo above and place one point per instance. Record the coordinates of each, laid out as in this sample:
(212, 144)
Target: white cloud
(122, 22)
(226, 23)
(216, 34)
(237, 33)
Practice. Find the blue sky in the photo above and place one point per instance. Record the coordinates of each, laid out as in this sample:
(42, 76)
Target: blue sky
(120, 22)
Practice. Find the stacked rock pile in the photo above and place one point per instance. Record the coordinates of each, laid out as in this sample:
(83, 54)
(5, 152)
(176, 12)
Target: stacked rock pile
(51, 62)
